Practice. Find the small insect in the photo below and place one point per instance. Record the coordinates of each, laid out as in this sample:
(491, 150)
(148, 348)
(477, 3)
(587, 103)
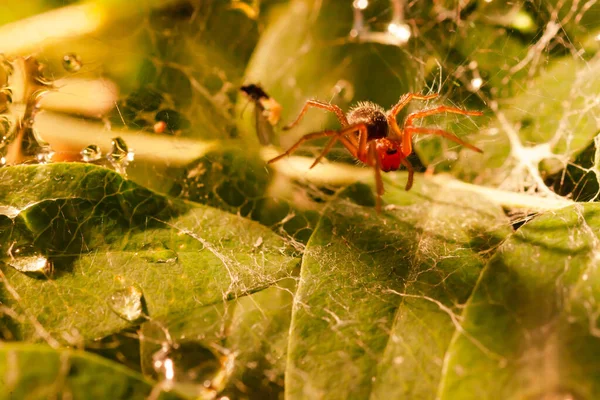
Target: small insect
(267, 112)
(374, 137)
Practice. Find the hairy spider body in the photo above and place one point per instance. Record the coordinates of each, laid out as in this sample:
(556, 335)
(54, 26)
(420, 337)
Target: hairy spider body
(373, 136)
(371, 115)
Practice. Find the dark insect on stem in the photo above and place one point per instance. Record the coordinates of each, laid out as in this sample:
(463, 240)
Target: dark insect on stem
(267, 112)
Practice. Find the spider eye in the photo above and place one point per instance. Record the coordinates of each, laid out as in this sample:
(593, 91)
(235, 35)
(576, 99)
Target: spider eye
(391, 151)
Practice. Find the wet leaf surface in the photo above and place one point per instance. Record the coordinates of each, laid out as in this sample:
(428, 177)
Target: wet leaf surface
(32, 371)
(106, 235)
(531, 325)
(379, 295)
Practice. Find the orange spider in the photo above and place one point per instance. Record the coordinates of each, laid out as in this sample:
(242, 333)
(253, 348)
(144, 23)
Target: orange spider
(373, 136)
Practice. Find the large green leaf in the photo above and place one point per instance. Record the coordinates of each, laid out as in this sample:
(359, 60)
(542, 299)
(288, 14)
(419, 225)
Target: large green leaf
(238, 346)
(105, 234)
(39, 372)
(373, 311)
(531, 325)
(562, 118)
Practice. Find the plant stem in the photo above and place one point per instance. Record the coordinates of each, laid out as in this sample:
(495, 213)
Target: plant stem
(296, 167)
(29, 34)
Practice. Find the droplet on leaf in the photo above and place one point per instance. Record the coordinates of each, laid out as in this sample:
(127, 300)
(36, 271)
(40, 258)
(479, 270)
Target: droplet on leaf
(120, 155)
(28, 260)
(44, 155)
(127, 303)
(71, 62)
(91, 153)
(35, 146)
(193, 368)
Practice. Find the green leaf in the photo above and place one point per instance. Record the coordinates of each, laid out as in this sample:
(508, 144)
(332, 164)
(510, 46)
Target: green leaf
(238, 346)
(531, 325)
(39, 372)
(371, 314)
(544, 114)
(105, 234)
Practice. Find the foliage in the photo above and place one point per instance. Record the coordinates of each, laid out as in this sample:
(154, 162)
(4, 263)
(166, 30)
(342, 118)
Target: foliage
(174, 262)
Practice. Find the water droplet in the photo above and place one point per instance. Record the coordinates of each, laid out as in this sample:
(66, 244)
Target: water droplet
(127, 303)
(193, 368)
(91, 153)
(475, 84)
(398, 360)
(344, 89)
(45, 155)
(400, 31)
(35, 146)
(120, 155)
(71, 62)
(360, 4)
(28, 260)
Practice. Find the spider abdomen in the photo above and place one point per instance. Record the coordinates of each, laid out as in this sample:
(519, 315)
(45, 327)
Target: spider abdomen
(390, 157)
(373, 117)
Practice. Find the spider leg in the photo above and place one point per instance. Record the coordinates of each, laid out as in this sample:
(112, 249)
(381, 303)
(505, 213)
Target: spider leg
(342, 136)
(412, 130)
(438, 110)
(404, 100)
(309, 136)
(411, 173)
(326, 150)
(409, 128)
(363, 135)
(374, 161)
(319, 104)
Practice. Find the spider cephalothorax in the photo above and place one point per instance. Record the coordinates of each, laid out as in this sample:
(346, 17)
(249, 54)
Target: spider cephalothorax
(373, 116)
(373, 136)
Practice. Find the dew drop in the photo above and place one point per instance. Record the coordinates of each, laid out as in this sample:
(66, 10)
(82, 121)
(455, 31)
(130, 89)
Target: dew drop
(28, 260)
(400, 31)
(476, 84)
(360, 4)
(193, 368)
(127, 303)
(44, 155)
(344, 89)
(71, 62)
(91, 153)
(120, 155)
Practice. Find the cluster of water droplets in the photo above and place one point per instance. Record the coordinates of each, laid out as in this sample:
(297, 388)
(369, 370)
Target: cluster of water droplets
(119, 156)
(22, 86)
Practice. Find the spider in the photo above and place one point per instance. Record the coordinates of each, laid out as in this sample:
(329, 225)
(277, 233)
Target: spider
(374, 137)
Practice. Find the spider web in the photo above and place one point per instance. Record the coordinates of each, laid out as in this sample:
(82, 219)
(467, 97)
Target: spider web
(165, 77)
